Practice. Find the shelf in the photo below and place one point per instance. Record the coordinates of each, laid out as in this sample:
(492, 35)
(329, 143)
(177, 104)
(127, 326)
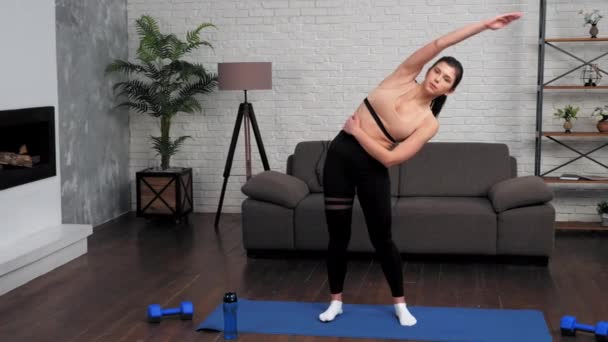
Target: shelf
(580, 226)
(557, 180)
(575, 134)
(552, 88)
(575, 87)
(557, 40)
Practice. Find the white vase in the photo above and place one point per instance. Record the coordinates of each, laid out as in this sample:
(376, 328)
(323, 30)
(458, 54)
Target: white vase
(593, 31)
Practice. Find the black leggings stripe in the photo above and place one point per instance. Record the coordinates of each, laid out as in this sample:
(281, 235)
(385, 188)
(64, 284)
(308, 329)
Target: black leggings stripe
(343, 201)
(339, 199)
(348, 170)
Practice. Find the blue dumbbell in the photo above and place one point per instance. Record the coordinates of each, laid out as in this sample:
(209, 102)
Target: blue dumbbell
(156, 313)
(569, 327)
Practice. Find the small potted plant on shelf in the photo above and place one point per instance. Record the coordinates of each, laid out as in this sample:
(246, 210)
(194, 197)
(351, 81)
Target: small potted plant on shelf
(602, 209)
(568, 113)
(592, 18)
(602, 114)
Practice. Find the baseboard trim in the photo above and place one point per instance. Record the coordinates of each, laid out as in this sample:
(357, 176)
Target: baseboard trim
(34, 255)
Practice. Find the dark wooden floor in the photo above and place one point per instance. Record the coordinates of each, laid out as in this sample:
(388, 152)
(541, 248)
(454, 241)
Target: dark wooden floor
(132, 262)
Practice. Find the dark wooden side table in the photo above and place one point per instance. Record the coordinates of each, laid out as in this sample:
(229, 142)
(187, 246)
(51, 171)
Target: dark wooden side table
(164, 193)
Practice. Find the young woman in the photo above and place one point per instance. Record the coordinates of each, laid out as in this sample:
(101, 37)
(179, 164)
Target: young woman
(392, 124)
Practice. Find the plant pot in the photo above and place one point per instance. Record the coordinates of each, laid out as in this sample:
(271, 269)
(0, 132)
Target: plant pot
(594, 31)
(568, 126)
(164, 193)
(605, 220)
(602, 126)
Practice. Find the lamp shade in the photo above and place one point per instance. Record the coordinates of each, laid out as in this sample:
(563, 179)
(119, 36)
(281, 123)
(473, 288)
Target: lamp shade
(244, 75)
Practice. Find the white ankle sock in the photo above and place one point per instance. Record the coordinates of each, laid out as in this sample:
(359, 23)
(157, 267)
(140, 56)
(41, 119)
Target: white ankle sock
(334, 309)
(405, 317)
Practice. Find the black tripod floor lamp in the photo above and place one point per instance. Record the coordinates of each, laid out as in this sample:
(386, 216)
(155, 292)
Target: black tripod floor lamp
(243, 76)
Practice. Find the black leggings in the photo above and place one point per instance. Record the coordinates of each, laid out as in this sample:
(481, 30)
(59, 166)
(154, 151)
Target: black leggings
(348, 167)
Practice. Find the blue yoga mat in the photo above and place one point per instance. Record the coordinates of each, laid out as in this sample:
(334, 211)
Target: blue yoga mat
(379, 321)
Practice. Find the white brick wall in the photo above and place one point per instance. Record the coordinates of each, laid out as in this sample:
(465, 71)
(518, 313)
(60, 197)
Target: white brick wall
(327, 54)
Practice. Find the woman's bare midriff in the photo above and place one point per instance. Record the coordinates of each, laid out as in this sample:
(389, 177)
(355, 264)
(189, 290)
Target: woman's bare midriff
(398, 115)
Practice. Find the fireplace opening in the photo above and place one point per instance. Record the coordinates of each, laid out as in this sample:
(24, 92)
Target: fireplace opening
(27, 145)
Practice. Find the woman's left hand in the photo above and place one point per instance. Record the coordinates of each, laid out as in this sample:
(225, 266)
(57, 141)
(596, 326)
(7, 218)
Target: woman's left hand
(352, 126)
(503, 20)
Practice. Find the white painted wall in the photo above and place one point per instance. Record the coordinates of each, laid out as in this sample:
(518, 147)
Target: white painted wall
(29, 79)
(327, 54)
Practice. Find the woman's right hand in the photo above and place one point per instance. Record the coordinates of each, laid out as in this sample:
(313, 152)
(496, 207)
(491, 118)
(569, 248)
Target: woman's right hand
(503, 20)
(352, 125)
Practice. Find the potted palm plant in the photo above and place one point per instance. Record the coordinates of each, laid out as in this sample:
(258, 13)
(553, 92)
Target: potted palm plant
(602, 209)
(602, 113)
(161, 84)
(568, 113)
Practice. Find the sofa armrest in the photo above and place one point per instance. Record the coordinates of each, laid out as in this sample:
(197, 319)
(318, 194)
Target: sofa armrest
(275, 187)
(519, 192)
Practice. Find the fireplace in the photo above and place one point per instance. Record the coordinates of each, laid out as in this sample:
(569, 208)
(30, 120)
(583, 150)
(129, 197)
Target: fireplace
(27, 145)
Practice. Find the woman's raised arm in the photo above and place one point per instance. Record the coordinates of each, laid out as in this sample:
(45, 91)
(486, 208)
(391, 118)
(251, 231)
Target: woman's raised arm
(411, 67)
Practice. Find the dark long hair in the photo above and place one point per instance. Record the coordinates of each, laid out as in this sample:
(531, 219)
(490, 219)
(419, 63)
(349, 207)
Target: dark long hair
(439, 101)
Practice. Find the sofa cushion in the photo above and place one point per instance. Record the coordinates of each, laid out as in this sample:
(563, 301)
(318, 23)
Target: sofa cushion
(277, 188)
(310, 231)
(308, 161)
(464, 225)
(455, 169)
(519, 192)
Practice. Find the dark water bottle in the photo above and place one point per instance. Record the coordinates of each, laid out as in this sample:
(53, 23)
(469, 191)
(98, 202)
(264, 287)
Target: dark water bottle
(230, 308)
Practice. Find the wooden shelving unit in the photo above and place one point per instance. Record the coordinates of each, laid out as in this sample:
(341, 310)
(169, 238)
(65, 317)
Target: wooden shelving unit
(580, 181)
(575, 134)
(562, 138)
(579, 226)
(567, 87)
(574, 40)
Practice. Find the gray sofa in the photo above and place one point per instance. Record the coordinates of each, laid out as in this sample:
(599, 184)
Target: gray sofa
(451, 198)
